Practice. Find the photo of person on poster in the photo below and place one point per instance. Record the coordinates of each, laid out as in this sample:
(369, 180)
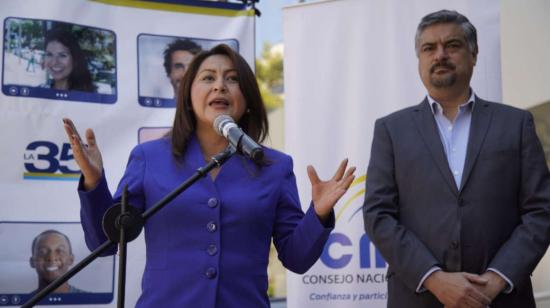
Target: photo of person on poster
(66, 63)
(163, 58)
(52, 256)
(177, 56)
(44, 57)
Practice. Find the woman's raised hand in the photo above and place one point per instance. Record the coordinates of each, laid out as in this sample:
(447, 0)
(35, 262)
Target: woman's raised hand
(325, 194)
(86, 155)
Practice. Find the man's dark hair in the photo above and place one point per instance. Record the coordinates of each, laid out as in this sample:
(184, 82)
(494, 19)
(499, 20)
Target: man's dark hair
(446, 16)
(179, 44)
(51, 231)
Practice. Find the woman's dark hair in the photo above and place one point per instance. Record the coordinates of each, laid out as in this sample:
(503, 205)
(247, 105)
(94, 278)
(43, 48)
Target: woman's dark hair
(80, 78)
(254, 120)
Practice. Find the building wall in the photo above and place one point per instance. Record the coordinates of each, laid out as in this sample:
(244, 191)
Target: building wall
(525, 30)
(525, 47)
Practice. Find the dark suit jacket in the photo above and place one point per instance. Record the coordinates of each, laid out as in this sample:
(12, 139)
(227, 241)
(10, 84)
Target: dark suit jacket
(417, 218)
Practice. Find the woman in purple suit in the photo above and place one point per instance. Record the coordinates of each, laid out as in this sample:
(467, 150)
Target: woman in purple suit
(210, 246)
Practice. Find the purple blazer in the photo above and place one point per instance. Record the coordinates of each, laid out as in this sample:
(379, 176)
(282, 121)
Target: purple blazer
(210, 246)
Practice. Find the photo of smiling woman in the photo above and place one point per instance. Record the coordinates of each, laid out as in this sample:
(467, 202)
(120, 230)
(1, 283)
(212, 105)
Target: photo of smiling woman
(66, 63)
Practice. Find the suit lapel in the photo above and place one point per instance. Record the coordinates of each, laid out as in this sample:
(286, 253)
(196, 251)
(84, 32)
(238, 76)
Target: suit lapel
(427, 126)
(481, 119)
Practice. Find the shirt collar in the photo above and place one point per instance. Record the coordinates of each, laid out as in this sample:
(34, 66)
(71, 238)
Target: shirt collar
(468, 105)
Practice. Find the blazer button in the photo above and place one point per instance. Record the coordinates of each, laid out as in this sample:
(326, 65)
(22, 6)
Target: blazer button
(460, 202)
(212, 249)
(213, 202)
(454, 244)
(211, 273)
(211, 226)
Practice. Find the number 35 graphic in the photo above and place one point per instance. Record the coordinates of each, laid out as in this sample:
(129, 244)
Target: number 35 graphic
(50, 157)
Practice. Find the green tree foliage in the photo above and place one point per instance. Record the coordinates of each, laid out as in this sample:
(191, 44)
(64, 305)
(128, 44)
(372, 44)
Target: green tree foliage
(269, 73)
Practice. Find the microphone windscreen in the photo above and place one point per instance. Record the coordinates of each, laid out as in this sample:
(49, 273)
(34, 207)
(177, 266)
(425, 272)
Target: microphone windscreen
(220, 121)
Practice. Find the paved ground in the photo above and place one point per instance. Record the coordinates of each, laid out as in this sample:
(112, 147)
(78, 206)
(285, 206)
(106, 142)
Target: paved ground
(15, 71)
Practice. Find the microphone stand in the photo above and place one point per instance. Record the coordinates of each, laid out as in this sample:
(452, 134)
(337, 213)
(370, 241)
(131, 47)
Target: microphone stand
(122, 223)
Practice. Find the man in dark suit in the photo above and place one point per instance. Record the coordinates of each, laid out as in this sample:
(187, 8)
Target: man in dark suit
(458, 190)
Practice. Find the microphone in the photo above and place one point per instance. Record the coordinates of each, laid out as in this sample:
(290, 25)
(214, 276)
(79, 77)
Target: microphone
(225, 126)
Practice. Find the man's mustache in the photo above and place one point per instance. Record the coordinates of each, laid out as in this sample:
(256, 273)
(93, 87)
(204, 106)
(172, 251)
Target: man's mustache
(446, 65)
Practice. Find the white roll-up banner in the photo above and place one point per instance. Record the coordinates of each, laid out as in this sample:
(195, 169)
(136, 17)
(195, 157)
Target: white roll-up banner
(127, 97)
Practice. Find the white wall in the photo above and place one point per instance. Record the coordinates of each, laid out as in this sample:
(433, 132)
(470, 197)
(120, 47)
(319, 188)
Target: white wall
(525, 49)
(525, 46)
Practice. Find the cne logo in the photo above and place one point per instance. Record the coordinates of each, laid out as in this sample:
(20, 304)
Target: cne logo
(45, 160)
(342, 245)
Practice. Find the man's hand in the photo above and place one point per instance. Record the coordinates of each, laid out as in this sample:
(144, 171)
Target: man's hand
(456, 290)
(495, 284)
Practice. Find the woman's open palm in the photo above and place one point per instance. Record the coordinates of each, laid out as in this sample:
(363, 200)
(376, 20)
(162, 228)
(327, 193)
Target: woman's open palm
(86, 155)
(325, 194)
